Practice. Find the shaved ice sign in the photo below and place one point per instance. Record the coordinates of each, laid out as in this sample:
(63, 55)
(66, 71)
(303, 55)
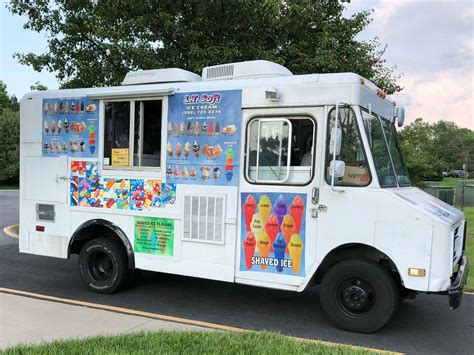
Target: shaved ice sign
(154, 236)
(273, 233)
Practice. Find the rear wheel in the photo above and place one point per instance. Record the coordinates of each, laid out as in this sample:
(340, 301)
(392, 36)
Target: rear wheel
(103, 265)
(359, 295)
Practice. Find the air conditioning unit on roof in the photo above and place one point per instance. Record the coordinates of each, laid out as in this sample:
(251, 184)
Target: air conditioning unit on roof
(159, 76)
(244, 70)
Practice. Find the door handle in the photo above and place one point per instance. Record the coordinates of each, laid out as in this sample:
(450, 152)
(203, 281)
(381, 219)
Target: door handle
(315, 196)
(62, 177)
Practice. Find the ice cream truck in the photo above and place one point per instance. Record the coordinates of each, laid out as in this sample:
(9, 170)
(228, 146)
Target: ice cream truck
(245, 174)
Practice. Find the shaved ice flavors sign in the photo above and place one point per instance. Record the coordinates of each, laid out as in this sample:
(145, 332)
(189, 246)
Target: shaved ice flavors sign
(273, 233)
(70, 127)
(154, 236)
(203, 138)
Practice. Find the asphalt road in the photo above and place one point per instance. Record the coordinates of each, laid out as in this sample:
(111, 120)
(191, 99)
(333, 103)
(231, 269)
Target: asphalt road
(423, 326)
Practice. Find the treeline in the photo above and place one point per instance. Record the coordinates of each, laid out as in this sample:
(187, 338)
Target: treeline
(9, 136)
(433, 148)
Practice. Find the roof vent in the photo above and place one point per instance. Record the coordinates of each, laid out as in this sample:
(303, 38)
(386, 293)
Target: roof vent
(156, 76)
(243, 70)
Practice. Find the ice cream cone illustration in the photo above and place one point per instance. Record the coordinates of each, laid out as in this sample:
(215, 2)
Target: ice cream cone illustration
(46, 108)
(67, 108)
(46, 127)
(288, 228)
(279, 246)
(175, 129)
(196, 147)
(296, 211)
(58, 146)
(66, 125)
(168, 129)
(271, 227)
(263, 245)
(264, 208)
(249, 249)
(185, 172)
(56, 108)
(60, 126)
(190, 128)
(280, 208)
(193, 172)
(50, 109)
(204, 128)
(210, 129)
(179, 148)
(256, 225)
(296, 250)
(197, 129)
(182, 128)
(176, 171)
(169, 149)
(53, 126)
(187, 149)
(168, 171)
(249, 208)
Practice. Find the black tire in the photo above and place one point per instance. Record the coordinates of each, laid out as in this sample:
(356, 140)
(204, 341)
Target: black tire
(103, 265)
(359, 295)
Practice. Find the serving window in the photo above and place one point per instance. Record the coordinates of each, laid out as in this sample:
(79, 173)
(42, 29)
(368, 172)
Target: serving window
(280, 150)
(132, 136)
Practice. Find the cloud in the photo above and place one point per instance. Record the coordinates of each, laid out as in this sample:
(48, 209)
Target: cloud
(432, 44)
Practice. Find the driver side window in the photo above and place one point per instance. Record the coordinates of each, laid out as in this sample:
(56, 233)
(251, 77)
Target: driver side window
(356, 171)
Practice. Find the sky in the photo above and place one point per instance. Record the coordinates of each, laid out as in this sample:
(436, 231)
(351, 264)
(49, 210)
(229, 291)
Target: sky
(430, 41)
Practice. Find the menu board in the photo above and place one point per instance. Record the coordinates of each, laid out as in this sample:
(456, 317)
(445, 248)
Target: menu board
(70, 127)
(203, 138)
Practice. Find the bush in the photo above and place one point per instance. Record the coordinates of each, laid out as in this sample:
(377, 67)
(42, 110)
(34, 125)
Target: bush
(9, 145)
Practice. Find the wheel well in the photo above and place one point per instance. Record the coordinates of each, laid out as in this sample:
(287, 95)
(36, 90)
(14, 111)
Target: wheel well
(100, 228)
(351, 251)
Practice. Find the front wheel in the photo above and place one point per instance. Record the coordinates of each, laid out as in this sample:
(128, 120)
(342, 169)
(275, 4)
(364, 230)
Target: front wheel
(359, 295)
(103, 265)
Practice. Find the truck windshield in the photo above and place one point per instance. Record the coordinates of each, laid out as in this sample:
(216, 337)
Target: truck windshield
(385, 147)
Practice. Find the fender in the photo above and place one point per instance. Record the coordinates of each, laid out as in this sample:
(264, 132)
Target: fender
(112, 227)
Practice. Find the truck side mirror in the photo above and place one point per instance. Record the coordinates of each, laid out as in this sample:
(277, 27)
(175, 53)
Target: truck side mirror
(337, 168)
(336, 136)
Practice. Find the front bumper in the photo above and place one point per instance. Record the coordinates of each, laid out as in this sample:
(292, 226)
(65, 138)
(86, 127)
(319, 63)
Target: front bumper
(455, 291)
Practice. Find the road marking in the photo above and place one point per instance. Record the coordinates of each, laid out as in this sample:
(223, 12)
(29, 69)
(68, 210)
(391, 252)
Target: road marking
(8, 231)
(164, 317)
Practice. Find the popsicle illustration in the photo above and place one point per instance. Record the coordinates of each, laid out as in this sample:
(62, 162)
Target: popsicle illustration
(296, 250)
(280, 208)
(288, 228)
(296, 211)
(249, 249)
(263, 245)
(217, 129)
(279, 246)
(249, 208)
(264, 208)
(271, 227)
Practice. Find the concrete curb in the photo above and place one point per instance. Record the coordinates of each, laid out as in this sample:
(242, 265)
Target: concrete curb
(9, 231)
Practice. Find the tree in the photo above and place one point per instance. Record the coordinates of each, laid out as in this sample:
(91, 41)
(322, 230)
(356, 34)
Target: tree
(10, 102)
(37, 86)
(9, 144)
(95, 43)
(431, 149)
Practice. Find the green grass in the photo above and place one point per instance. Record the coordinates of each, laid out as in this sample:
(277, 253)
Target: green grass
(163, 342)
(469, 215)
(449, 182)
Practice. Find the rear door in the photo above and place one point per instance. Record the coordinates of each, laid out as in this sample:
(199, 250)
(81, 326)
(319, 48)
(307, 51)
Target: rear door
(279, 187)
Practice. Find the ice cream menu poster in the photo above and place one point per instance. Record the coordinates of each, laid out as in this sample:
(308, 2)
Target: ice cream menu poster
(273, 233)
(203, 138)
(70, 127)
(154, 236)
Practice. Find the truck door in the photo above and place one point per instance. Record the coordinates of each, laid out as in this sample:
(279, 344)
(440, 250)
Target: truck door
(279, 190)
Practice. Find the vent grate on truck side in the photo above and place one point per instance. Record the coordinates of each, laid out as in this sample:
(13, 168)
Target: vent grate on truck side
(204, 218)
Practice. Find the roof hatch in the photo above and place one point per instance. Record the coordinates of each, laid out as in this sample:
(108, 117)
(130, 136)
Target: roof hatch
(156, 76)
(245, 70)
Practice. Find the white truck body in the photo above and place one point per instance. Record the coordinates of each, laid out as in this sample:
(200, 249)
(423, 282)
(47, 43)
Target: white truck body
(411, 228)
